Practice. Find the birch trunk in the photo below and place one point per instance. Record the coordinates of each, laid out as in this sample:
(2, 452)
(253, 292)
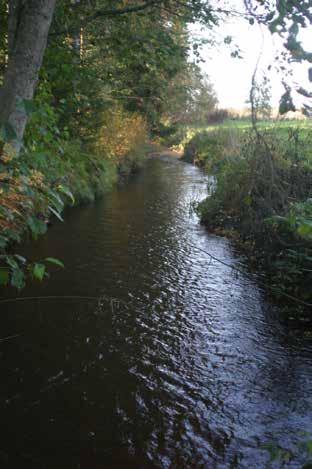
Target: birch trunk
(29, 23)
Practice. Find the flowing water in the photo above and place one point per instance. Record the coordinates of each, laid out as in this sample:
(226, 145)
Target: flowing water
(180, 364)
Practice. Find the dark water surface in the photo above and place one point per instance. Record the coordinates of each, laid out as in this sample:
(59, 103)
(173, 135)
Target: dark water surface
(191, 368)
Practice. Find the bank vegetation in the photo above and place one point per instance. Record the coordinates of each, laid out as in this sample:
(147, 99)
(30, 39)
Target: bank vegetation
(261, 196)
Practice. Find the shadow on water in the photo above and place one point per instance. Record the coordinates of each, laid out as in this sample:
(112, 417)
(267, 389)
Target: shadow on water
(191, 368)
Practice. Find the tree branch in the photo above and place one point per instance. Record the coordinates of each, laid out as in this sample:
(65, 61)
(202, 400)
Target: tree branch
(107, 13)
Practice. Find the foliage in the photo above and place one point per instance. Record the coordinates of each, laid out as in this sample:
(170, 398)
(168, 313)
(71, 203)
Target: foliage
(218, 116)
(286, 102)
(27, 202)
(211, 149)
(174, 136)
(262, 190)
(260, 99)
(143, 78)
(120, 133)
(191, 98)
(55, 169)
(286, 18)
(96, 100)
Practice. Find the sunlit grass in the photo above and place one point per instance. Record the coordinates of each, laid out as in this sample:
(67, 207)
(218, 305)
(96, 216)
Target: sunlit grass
(281, 126)
(246, 124)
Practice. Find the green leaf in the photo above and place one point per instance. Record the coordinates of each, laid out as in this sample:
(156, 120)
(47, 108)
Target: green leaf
(38, 271)
(3, 242)
(305, 229)
(12, 262)
(18, 279)
(54, 261)
(55, 212)
(67, 192)
(4, 276)
(56, 201)
(20, 258)
(37, 227)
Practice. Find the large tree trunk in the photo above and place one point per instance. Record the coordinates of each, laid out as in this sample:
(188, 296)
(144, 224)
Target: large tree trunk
(29, 23)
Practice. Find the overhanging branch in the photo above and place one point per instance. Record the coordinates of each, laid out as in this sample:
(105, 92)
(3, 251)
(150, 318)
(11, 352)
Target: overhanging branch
(106, 13)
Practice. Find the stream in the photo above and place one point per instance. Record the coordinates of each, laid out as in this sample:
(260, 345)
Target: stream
(181, 362)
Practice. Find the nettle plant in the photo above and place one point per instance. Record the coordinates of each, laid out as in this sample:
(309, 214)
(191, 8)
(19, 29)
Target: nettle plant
(27, 202)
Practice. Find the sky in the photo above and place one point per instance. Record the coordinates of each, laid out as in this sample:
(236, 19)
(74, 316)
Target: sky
(231, 77)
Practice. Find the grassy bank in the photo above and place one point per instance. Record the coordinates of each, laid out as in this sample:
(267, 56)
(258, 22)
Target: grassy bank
(262, 196)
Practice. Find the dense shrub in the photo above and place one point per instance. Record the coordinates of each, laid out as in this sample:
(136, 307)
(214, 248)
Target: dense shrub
(119, 134)
(55, 168)
(176, 137)
(263, 191)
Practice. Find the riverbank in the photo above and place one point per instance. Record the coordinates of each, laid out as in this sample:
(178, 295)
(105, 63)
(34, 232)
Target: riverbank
(36, 187)
(260, 196)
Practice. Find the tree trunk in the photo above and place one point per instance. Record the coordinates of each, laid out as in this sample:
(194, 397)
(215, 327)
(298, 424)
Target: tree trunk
(29, 23)
(15, 7)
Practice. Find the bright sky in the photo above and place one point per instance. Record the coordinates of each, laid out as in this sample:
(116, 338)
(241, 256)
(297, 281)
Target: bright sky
(231, 77)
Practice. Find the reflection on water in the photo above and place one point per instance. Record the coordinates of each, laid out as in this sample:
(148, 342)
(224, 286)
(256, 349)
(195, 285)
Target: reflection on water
(190, 368)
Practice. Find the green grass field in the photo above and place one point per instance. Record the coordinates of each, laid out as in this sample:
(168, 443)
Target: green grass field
(246, 124)
(280, 126)
(269, 124)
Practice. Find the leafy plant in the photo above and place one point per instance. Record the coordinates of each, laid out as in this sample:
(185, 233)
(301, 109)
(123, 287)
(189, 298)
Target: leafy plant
(27, 203)
(262, 191)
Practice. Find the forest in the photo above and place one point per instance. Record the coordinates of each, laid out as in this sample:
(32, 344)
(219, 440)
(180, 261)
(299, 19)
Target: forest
(155, 247)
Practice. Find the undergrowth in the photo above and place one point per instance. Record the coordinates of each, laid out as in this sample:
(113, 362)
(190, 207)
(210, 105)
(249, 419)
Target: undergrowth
(262, 194)
(54, 169)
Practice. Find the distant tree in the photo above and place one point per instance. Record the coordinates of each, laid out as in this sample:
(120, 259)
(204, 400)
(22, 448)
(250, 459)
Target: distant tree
(159, 53)
(190, 97)
(28, 24)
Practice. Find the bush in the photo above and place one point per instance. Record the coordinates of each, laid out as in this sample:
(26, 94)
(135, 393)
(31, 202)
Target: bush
(119, 134)
(176, 138)
(263, 192)
(53, 168)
